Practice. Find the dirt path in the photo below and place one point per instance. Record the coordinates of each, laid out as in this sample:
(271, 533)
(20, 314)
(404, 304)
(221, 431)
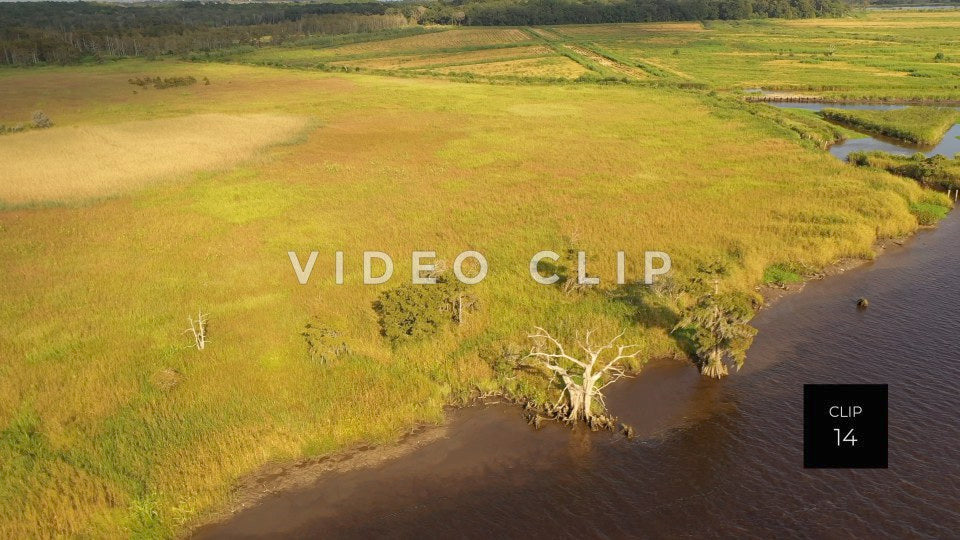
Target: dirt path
(631, 71)
(548, 35)
(670, 70)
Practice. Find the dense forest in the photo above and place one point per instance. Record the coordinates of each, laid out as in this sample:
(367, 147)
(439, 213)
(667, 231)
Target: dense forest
(59, 32)
(525, 12)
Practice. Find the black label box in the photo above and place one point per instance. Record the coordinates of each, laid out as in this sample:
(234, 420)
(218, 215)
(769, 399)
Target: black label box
(845, 426)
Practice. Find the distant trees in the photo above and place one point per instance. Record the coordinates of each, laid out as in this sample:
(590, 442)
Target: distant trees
(62, 33)
(536, 12)
(68, 32)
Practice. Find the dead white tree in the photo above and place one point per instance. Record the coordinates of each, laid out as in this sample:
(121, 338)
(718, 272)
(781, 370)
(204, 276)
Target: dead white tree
(199, 330)
(584, 377)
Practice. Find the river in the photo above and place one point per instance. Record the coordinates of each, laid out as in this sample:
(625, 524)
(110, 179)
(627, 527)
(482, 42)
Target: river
(715, 458)
(947, 147)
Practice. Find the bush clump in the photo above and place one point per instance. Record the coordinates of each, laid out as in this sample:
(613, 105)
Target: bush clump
(164, 82)
(41, 120)
(934, 171)
(413, 312)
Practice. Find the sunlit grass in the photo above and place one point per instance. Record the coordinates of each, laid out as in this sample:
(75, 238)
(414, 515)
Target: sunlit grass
(71, 162)
(110, 425)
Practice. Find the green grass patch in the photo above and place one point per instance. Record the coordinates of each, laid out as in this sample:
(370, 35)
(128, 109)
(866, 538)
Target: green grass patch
(780, 274)
(929, 213)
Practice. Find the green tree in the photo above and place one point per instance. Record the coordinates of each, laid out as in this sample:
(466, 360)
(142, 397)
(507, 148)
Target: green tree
(413, 312)
(719, 329)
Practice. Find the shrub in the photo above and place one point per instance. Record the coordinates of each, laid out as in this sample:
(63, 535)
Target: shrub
(161, 83)
(413, 312)
(936, 170)
(41, 120)
(323, 344)
(859, 159)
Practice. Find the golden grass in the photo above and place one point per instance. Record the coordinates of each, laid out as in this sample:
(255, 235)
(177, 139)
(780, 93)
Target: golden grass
(844, 67)
(430, 60)
(450, 39)
(551, 66)
(627, 29)
(933, 19)
(111, 427)
(70, 162)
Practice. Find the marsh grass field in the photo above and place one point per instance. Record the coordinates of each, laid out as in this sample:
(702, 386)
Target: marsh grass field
(111, 424)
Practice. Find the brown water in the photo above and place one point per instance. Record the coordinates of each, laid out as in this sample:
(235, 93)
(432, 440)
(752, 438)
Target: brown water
(717, 459)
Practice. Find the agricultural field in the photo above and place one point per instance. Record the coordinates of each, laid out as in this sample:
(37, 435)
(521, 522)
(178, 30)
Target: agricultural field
(883, 54)
(140, 207)
(913, 55)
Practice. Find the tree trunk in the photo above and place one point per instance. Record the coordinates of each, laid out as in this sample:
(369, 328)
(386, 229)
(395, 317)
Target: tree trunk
(576, 401)
(587, 401)
(713, 366)
(587, 390)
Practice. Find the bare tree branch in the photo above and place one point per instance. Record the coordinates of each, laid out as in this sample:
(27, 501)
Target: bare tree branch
(590, 371)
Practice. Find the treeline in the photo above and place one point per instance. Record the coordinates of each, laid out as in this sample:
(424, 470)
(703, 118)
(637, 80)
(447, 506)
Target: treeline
(162, 18)
(535, 12)
(62, 33)
(69, 32)
(907, 3)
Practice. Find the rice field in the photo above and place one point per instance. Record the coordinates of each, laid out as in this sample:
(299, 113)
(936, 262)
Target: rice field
(442, 41)
(425, 61)
(893, 56)
(510, 53)
(914, 55)
(451, 39)
(545, 66)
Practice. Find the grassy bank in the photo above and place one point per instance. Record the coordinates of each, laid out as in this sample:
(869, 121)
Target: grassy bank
(921, 125)
(937, 171)
(112, 425)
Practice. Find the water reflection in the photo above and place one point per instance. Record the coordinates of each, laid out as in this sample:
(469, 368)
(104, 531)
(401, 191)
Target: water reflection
(948, 147)
(729, 460)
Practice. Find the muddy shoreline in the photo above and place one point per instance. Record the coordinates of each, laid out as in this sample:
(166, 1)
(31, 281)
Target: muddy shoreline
(277, 477)
(659, 377)
(729, 450)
